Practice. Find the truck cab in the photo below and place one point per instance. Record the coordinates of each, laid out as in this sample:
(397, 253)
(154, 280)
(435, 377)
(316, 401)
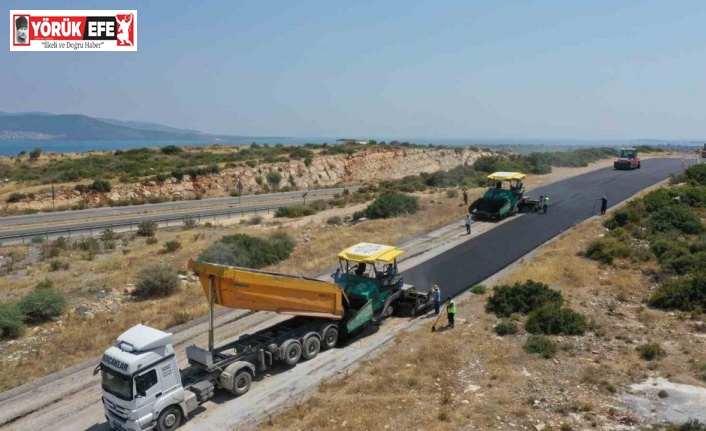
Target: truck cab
(142, 388)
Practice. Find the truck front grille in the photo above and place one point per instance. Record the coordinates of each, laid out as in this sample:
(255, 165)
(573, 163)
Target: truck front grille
(115, 409)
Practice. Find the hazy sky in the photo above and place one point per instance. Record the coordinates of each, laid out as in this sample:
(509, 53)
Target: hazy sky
(434, 69)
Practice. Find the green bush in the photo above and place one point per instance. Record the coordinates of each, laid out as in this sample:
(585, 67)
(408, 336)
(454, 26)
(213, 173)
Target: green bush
(151, 240)
(101, 185)
(506, 327)
(171, 149)
(606, 249)
(650, 351)
(147, 228)
(681, 293)
(156, 281)
(552, 319)
(675, 218)
(295, 211)
(171, 246)
(189, 222)
(541, 344)
(108, 235)
(520, 297)
(248, 251)
(683, 264)
(42, 305)
(696, 174)
(273, 179)
(478, 289)
(691, 424)
(11, 321)
(451, 194)
(16, 197)
(390, 205)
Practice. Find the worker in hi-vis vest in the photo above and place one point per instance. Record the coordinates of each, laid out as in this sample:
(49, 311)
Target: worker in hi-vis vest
(450, 310)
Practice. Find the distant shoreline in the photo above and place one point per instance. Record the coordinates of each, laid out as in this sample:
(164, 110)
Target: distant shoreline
(11, 147)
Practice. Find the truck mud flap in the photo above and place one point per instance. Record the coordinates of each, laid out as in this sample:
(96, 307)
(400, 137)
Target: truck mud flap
(361, 318)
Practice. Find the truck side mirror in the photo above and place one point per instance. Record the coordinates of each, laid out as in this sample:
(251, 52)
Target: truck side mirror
(97, 369)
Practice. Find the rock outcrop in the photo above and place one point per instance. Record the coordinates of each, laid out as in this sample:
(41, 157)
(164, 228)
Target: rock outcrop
(323, 171)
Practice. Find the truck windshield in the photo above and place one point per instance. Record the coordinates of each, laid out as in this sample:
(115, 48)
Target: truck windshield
(626, 154)
(117, 384)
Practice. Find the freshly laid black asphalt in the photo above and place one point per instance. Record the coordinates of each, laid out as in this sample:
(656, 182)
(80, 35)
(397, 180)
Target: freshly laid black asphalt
(571, 201)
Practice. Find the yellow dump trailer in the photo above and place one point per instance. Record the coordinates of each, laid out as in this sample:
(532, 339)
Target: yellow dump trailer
(267, 291)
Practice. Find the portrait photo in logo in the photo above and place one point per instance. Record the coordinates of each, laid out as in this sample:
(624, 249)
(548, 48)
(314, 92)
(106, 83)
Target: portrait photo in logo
(22, 30)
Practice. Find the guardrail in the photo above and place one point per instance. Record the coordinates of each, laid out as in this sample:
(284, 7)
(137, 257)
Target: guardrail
(128, 226)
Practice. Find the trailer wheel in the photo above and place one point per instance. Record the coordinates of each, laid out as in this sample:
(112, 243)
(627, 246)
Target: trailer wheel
(330, 337)
(169, 419)
(241, 382)
(311, 347)
(292, 352)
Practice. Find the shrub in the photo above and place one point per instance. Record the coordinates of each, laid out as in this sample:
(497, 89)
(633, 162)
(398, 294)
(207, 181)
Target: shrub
(606, 249)
(255, 220)
(505, 327)
(478, 289)
(681, 293)
(151, 240)
(181, 317)
(147, 228)
(34, 154)
(87, 243)
(38, 239)
(189, 222)
(677, 218)
(171, 246)
(16, 197)
(248, 251)
(451, 194)
(156, 281)
(55, 265)
(650, 351)
(392, 205)
(697, 174)
(540, 344)
(101, 185)
(108, 235)
(521, 297)
(171, 149)
(11, 321)
(42, 304)
(691, 424)
(552, 319)
(294, 211)
(273, 179)
(334, 220)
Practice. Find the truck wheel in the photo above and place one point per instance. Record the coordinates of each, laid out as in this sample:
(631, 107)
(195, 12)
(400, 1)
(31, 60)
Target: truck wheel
(292, 352)
(169, 419)
(241, 382)
(311, 347)
(330, 337)
(639, 165)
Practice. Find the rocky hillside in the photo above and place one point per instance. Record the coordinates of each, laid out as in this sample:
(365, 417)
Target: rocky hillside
(324, 171)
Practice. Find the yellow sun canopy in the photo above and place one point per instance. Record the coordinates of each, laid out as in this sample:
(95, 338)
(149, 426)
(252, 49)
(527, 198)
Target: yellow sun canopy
(506, 176)
(369, 253)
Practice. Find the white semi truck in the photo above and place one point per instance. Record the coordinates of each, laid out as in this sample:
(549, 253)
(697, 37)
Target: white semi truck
(143, 387)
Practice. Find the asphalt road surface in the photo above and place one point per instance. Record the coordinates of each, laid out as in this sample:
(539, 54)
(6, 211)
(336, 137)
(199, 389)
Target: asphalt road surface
(571, 201)
(96, 213)
(14, 229)
(70, 400)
